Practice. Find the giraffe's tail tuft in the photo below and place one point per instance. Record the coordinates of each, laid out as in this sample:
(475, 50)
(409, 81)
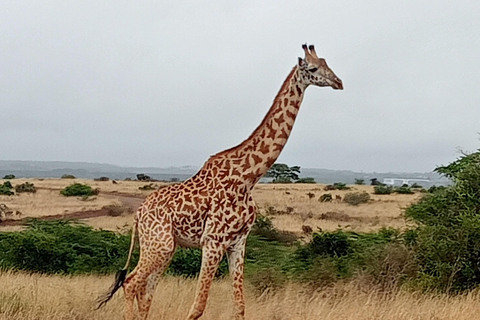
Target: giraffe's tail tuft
(119, 280)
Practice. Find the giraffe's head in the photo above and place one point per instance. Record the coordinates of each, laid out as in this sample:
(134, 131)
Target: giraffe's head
(314, 70)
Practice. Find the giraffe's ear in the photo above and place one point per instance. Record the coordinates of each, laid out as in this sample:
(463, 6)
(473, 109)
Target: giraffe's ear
(301, 63)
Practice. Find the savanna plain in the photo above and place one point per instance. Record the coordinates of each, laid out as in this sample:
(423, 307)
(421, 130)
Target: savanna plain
(294, 209)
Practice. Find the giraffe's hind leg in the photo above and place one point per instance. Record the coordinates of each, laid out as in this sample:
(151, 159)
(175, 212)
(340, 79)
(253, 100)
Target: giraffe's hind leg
(155, 256)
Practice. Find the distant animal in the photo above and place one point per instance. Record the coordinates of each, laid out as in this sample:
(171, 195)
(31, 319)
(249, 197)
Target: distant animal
(114, 182)
(214, 209)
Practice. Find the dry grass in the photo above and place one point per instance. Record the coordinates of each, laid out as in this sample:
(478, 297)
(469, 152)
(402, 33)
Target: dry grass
(37, 297)
(381, 211)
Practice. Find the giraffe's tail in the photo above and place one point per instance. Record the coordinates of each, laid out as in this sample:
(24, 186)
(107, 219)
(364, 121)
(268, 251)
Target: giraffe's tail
(120, 276)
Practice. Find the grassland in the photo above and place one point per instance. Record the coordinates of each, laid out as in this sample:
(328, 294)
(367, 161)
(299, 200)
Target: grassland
(34, 296)
(38, 297)
(290, 205)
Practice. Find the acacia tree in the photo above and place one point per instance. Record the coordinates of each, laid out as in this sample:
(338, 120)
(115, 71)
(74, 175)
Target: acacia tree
(282, 173)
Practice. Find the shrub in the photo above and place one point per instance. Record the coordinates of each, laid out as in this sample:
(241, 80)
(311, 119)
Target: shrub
(25, 187)
(434, 188)
(101, 179)
(447, 242)
(68, 176)
(403, 190)
(326, 197)
(78, 189)
(382, 189)
(143, 177)
(264, 229)
(6, 189)
(359, 181)
(329, 187)
(356, 198)
(340, 186)
(9, 177)
(306, 180)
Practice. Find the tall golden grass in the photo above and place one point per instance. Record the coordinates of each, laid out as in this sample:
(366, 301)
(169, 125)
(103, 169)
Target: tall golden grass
(39, 297)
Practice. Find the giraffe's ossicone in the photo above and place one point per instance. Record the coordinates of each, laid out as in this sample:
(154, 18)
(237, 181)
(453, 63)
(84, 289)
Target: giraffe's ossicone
(214, 209)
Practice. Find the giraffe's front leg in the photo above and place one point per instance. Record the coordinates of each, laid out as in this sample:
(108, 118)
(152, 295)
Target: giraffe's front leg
(212, 253)
(236, 259)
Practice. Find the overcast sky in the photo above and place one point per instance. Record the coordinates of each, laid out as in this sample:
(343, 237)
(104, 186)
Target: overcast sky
(168, 83)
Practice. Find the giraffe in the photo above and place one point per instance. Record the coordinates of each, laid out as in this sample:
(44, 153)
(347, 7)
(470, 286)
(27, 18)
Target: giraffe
(214, 209)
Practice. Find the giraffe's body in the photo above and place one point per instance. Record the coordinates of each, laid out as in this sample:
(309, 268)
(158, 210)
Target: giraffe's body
(214, 209)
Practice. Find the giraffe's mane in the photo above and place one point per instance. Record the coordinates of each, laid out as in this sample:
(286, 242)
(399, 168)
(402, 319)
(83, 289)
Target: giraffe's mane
(276, 101)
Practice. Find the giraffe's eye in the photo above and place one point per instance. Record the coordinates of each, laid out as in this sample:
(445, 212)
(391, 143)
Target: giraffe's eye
(313, 69)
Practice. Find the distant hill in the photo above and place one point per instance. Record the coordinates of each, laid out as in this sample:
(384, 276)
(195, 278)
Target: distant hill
(87, 170)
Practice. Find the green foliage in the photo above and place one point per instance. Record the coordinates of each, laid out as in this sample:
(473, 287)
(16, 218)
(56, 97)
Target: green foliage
(359, 182)
(434, 189)
(306, 180)
(63, 247)
(68, 176)
(102, 179)
(454, 169)
(447, 243)
(282, 173)
(331, 256)
(340, 186)
(378, 189)
(25, 187)
(356, 198)
(9, 176)
(6, 189)
(265, 230)
(78, 189)
(403, 190)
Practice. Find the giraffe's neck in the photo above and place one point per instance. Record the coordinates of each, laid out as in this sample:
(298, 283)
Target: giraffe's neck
(254, 156)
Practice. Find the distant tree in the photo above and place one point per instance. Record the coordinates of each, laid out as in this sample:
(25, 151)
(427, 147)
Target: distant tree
(9, 177)
(306, 180)
(359, 181)
(375, 182)
(282, 173)
(143, 177)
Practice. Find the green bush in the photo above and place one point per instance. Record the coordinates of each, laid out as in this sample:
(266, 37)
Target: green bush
(447, 242)
(26, 187)
(403, 190)
(63, 247)
(356, 198)
(68, 176)
(340, 186)
(359, 182)
(382, 189)
(6, 189)
(306, 180)
(265, 230)
(78, 189)
(9, 176)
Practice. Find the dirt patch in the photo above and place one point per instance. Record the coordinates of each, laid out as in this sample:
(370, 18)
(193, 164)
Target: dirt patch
(129, 201)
